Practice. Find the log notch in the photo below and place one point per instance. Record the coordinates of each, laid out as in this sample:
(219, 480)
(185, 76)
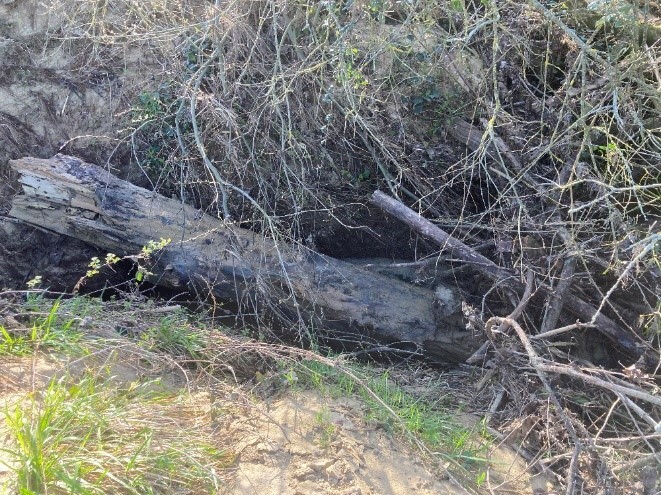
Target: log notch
(84, 201)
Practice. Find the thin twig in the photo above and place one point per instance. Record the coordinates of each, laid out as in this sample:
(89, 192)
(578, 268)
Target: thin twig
(558, 331)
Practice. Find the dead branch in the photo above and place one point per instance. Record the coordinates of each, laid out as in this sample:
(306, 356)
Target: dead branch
(628, 341)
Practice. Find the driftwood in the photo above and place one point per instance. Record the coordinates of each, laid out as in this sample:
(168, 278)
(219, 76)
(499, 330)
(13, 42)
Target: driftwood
(83, 201)
(625, 339)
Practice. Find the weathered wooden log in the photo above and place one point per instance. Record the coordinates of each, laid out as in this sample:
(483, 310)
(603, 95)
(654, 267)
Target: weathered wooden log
(627, 341)
(84, 201)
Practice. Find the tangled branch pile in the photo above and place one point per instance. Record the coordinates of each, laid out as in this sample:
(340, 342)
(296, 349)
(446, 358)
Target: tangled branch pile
(530, 131)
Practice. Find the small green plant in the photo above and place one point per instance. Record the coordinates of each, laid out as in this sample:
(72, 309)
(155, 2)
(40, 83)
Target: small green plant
(95, 265)
(326, 428)
(349, 71)
(159, 128)
(152, 106)
(34, 283)
(290, 377)
(13, 344)
(145, 254)
(480, 478)
(427, 100)
(614, 13)
(174, 335)
(652, 322)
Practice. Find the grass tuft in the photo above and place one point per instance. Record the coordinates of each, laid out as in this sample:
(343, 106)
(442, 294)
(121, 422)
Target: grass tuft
(49, 331)
(89, 436)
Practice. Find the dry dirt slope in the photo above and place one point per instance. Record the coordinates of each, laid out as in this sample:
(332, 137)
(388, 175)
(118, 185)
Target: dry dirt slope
(295, 441)
(56, 94)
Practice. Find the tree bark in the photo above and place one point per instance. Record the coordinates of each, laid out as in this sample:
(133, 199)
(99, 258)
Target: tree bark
(81, 200)
(626, 340)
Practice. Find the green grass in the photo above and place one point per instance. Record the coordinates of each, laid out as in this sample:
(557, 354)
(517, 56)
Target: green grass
(174, 335)
(432, 423)
(47, 333)
(55, 327)
(90, 437)
(326, 429)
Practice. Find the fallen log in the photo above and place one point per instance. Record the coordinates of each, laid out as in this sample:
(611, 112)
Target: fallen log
(627, 340)
(86, 202)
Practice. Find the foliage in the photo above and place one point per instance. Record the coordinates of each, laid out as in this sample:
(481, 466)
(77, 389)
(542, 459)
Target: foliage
(326, 428)
(111, 259)
(174, 335)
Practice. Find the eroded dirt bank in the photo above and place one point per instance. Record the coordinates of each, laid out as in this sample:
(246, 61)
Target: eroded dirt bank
(56, 94)
(289, 441)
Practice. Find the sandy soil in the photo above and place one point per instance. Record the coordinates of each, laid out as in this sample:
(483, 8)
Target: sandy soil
(304, 444)
(298, 442)
(56, 95)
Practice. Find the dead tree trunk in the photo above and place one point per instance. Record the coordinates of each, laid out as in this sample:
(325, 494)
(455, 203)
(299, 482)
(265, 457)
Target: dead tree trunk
(84, 201)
